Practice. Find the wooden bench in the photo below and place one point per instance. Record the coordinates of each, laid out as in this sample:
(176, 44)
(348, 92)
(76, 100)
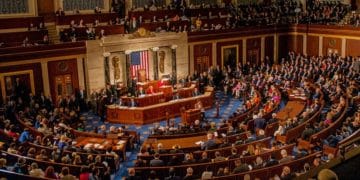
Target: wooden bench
(23, 22)
(211, 166)
(74, 169)
(12, 175)
(87, 18)
(324, 133)
(294, 133)
(265, 173)
(16, 38)
(160, 14)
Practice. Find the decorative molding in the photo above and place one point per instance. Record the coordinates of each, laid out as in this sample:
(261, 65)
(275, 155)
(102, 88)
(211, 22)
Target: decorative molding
(127, 52)
(106, 54)
(142, 33)
(155, 48)
(174, 46)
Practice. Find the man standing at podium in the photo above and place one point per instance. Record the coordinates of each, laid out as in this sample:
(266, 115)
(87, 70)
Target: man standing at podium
(141, 91)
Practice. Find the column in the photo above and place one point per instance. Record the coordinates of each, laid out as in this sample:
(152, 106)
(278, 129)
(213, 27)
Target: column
(276, 48)
(191, 59)
(173, 62)
(81, 74)
(343, 47)
(214, 62)
(244, 50)
(45, 77)
(106, 67)
(320, 45)
(155, 62)
(128, 75)
(304, 44)
(262, 48)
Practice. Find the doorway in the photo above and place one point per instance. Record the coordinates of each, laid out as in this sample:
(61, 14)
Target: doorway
(202, 64)
(254, 57)
(63, 86)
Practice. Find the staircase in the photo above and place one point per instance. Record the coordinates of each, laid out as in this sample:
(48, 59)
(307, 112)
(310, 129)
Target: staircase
(53, 34)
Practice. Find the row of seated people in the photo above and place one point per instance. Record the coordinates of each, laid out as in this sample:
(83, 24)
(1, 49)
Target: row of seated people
(202, 126)
(234, 150)
(326, 12)
(30, 23)
(85, 18)
(231, 126)
(31, 30)
(24, 38)
(316, 79)
(58, 150)
(237, 141)
(213, 19)
(349, 126)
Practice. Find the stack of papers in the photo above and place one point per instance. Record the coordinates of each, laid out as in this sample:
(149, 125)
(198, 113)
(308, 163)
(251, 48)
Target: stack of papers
(199, 143)
(121, 142)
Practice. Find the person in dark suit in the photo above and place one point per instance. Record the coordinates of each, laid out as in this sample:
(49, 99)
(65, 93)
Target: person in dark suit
(172, 175)
(196, 92)
(133, 25)
(259, 123)
(132, 103)
(60, 12)
(160, 149)
(240, 167)
(156, 161)
(141, 91)
(204, 158)
(132, 175)
(210, 143)
(306, 134)
(272, 161)
(176, 96)
(189, 174)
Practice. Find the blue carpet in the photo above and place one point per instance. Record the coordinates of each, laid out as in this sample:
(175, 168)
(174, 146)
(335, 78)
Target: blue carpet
(228, 105)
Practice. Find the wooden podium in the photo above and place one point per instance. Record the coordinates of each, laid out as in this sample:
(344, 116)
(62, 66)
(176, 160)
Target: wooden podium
(189, 116)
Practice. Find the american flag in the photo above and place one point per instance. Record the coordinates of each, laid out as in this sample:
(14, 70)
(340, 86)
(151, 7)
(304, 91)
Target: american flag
(139, 60)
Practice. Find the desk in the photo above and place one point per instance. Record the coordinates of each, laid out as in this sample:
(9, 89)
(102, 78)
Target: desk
(157, 112)
(185, 142)
(118, 145)
(297, 94)
(145, 100)
(292, 109)
(189, 116)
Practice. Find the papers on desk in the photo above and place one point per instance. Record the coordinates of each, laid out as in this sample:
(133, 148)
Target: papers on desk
(96, 145)
(88, 146)
(216, 134)
(121, 142)
(199, 143)
(223, 135)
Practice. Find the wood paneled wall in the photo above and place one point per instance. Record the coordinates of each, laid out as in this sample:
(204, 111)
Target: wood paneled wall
(312, 45)
(219, 46)
(46, 8)
(290, 42)
(352, 47)
(36, 69)
(331, 43)
(269, 48)
(63, 67)
(202, 56)
(253, 46)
